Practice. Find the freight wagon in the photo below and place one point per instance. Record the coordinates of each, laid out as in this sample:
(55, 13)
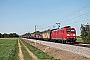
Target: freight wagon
(46, 35)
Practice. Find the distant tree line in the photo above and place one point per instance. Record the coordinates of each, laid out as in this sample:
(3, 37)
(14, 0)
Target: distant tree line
(36, 32)
(85, 33)
(26, 35)
(11, 35)
(78, 36)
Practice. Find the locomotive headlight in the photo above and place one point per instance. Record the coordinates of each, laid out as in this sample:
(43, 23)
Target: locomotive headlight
(73, 34)
(68, 35)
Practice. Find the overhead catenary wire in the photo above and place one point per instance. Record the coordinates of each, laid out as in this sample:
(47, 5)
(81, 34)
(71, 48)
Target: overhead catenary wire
(77, 11)
(76, 17)
(68, 19)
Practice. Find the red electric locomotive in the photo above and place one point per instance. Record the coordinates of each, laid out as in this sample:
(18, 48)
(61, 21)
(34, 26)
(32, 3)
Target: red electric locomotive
(65, 34)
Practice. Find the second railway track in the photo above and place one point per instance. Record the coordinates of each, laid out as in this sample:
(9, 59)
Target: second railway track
(82, 45)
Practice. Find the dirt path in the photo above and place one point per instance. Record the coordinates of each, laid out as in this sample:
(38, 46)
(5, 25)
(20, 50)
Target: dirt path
(20, 52)
(30, 53)
(57, 53)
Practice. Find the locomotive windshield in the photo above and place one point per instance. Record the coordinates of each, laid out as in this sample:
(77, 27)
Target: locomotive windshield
(70, 30)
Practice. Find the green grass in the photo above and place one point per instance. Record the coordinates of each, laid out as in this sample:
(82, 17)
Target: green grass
(8, 49)
(16, 51)
(25, 53)
(40, 54)
(79, 40)
(8, 38)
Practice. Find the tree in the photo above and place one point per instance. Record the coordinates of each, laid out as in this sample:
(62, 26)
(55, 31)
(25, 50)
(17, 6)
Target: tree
(85, 32)
(36, 32)
(11, 35)
(88, 37)
(15, 35)
(5, 35)
(27, 35)
(0, 35)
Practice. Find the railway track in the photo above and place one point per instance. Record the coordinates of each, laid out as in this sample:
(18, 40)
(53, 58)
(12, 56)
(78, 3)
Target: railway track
(78, 44)
(74, 44)
(82, 45)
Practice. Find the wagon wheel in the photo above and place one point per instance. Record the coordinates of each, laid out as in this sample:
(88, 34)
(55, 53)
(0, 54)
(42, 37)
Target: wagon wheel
(64, 41)
(60, 41)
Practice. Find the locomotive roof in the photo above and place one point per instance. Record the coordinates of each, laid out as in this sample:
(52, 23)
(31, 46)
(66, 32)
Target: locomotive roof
(66, 27)
(54, 29)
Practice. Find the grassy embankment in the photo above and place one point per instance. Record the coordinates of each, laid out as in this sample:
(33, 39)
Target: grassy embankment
(40, 54)
(25, 53)
(79, 39)
(8, 49)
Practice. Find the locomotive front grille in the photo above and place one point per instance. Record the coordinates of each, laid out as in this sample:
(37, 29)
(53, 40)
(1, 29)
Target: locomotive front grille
(71, 40)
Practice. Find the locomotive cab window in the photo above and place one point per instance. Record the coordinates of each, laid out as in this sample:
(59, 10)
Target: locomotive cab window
(70, 30)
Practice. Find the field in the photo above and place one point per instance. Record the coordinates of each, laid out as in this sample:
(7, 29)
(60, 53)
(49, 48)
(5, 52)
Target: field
(8, 49)
(25, 53)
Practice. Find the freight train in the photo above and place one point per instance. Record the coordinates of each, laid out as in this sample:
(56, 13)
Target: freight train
(64, 35)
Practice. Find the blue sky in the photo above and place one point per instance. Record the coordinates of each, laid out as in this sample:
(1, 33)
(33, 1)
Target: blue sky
(21, 16)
